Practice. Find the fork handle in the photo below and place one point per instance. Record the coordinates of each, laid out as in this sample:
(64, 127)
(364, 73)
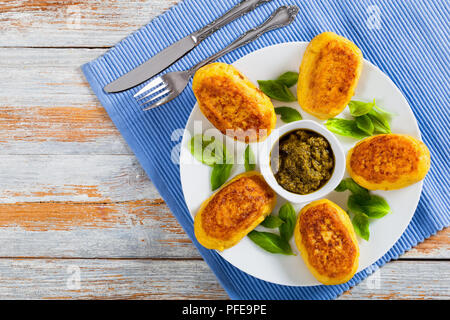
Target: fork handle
(237, 11)
(283, 16)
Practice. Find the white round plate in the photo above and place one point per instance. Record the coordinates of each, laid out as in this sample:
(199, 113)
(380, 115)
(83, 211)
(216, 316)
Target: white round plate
(269, 63)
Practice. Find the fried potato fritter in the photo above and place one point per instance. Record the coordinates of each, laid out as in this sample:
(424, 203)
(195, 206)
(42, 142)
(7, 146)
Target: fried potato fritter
(232, 102)
(388, 161)
(233, 211)
(327, 242)
(329, 73)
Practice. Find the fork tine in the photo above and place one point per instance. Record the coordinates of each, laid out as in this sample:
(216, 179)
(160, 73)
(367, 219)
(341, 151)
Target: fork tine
(149, 86)
(160, 102)
(158, 88)
(156, 97)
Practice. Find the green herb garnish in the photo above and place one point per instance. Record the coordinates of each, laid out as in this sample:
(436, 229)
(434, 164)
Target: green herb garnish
(345, 127)
(272, 222)
(369, 119)
(288, 114)
(285, 222)
(350, 184)
(289, 78)
(220, 174)
(361, 225)
(380, 122)
(374, 207)
(364, 123)
(279, 89)
(363, 205)
(359, 108)
(212, 153)
(208, 150)
(249, 159)
(288, 215)
(270, 242)
(386, 114)
(276, 90)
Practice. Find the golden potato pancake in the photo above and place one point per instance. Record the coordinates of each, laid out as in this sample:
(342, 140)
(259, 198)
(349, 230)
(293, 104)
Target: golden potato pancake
(388, 161)
(329, 73)
(327, 242)
(233, 211)
(232, 103)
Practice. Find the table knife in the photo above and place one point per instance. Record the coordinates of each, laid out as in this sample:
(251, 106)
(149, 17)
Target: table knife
(171, 54)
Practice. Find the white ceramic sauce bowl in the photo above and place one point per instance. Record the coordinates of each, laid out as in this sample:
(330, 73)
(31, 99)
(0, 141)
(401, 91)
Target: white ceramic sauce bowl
(265, 154)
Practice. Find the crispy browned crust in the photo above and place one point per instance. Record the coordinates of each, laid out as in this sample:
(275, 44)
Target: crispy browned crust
(235, 207)
(233, 211)
(329, 245)
(231, 102)
(388, 161)
(329, 73)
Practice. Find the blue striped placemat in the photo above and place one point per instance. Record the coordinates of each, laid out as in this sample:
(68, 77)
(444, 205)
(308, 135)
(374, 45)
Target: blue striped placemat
(408, 40)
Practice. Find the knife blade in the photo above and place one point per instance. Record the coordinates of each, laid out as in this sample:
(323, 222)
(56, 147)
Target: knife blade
(155, 65)
(171, 54)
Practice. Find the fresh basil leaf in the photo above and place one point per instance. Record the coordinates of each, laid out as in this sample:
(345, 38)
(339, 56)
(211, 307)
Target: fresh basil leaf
(386, 114)
(249, 159)
(380, 123)
(220, 174)
(354, 204)
(342, 186)
(345, 127)
(350, 184)
(198, 144)
(208, 150)
(276, 90)
(374, 207)
(377, 207)
(271, 242)
(356, 188)
(289, 78)
(359, 108)
(272, 222)
(365, 124)
(288, 114)
(361, 225)
(289, 216)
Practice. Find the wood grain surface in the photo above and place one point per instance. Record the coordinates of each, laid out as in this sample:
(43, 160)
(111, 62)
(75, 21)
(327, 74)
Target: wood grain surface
(78, 216)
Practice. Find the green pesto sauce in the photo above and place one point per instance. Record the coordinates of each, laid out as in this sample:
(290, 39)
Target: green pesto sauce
(305, 161)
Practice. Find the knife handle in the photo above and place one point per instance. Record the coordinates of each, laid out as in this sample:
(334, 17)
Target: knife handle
(237, 11)
(283, 16)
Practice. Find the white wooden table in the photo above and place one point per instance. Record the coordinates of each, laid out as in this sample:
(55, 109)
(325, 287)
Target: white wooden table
(78, 216)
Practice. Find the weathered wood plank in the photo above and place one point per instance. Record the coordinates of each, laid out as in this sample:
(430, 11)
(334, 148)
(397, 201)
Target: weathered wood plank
(47, 106)
(84, 206)
(435, 247)
(131, 229)
(189, 279)
(90, 23)
(405, 280)
(107, 279)
(73, 178)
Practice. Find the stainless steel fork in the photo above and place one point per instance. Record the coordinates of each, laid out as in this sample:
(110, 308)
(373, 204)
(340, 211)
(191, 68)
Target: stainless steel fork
(168, 86)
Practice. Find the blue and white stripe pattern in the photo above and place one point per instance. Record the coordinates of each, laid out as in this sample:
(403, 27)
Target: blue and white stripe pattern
(408, 40)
